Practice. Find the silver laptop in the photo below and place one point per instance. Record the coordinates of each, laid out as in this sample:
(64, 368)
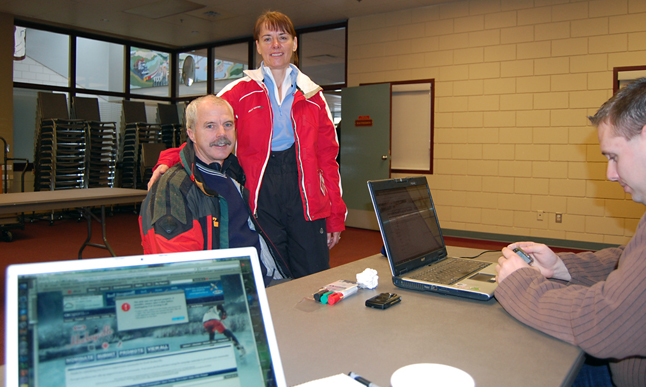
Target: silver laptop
(415, 247)
(184, 319)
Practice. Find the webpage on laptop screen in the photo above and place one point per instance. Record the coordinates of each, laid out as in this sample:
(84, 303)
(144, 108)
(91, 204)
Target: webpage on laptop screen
(174, 324)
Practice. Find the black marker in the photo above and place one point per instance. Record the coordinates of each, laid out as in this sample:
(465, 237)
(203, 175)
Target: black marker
(317, 295)
(361, 380)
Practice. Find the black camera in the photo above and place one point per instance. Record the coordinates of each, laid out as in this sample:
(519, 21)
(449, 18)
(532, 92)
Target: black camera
(383, 300)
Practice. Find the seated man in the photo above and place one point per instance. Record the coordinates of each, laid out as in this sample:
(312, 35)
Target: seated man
(198, 204)
(599, 304)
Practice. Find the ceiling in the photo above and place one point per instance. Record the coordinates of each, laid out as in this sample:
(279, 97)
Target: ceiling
(183, 23)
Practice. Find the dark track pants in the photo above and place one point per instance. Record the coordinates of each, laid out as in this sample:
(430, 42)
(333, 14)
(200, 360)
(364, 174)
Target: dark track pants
(301, 243)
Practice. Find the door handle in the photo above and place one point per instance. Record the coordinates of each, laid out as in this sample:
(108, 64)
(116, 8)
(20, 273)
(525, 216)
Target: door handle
(384, 157)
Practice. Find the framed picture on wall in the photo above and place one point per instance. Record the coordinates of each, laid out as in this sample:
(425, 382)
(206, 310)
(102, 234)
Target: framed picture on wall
(624, 75)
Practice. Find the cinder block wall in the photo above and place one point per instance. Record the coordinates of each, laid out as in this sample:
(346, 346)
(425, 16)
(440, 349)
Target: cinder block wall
(515, 80)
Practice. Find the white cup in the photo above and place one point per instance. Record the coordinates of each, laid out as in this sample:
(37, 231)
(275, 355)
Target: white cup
(431, 375)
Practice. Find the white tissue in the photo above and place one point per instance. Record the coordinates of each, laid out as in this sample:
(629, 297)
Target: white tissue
(368, 279)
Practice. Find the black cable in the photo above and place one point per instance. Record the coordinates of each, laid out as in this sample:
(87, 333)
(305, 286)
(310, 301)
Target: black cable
(484, 252)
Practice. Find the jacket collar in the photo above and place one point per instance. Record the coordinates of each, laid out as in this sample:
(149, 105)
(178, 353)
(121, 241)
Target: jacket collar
(303, 82)
(230, 167)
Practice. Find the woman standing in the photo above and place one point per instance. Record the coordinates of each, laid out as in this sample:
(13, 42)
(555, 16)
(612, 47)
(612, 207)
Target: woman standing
(287, 146)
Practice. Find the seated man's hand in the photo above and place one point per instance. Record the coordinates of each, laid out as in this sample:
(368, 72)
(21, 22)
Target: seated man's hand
(508, 263)
(545, 260)
(157, 174)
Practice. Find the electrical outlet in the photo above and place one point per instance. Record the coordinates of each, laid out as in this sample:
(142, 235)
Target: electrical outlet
(540, 214)
(559, 217)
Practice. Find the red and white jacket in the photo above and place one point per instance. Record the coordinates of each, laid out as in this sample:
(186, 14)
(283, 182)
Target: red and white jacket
(316, 141)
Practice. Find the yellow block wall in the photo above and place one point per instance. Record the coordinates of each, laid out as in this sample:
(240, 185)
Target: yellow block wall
(515, 81)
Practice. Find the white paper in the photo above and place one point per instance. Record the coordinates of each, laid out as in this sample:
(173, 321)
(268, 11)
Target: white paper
(340, 380)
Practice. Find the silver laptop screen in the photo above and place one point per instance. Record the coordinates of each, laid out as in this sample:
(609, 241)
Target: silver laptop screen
(409, 222)
(194, 323)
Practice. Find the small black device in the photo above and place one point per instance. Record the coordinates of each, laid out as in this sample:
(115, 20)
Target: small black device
(521, 253)
(383, 301)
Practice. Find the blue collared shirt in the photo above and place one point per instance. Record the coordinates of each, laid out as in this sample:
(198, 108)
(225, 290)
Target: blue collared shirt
(283, 127)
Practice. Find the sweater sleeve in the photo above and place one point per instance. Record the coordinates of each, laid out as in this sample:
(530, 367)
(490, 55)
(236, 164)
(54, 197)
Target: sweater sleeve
(606, 319)
(588, 268)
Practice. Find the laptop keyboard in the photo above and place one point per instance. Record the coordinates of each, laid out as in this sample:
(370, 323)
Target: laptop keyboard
(448, 271)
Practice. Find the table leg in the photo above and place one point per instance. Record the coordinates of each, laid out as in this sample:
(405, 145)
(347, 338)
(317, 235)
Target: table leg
(89, 215)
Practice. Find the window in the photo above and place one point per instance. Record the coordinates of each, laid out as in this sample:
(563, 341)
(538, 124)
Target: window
(322, 56)
(46, 59)
(333, 99)
(193, 72)
(624, 75)
(149, 72)
(412, 118)
(99, 65)
(229, 63)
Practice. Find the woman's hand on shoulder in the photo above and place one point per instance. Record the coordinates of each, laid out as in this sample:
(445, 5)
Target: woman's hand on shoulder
(157, 174)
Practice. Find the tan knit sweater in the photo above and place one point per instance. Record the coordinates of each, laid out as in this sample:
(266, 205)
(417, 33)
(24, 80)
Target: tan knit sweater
(602, 309)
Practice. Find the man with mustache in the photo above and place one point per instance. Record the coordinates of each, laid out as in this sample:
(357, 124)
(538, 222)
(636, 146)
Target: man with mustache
(200, 203)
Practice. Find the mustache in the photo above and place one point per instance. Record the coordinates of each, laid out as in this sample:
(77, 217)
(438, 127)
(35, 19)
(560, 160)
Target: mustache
(221, 142)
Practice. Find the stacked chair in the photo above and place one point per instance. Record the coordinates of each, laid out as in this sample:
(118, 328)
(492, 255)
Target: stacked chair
(148, 159)
(172, 133)
(136, 131)
(102, 140)
(60, 157)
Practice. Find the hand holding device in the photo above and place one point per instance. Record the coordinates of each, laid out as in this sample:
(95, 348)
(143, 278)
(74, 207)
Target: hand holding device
(545, 260)
(526, 257)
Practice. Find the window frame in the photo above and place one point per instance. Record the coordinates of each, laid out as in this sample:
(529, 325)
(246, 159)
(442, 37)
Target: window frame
(429, 171)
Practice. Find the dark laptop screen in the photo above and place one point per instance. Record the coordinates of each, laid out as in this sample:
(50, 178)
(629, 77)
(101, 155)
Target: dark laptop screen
(409, 222)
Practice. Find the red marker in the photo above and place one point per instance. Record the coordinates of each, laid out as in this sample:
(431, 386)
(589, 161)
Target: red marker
(334, 298)
(338, 296)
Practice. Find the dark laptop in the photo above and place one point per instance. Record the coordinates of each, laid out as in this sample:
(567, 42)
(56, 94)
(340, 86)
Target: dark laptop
(415, 247)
